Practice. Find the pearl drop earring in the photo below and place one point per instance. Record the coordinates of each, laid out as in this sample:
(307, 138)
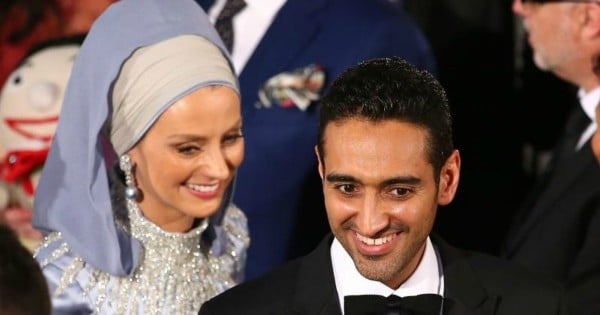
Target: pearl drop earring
(126, 165)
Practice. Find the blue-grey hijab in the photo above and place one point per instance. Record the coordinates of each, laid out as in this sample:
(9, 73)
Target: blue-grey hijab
(73, 194)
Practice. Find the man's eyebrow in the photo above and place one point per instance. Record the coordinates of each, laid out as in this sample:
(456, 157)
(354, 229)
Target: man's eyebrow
(333, 177)
(411, 180)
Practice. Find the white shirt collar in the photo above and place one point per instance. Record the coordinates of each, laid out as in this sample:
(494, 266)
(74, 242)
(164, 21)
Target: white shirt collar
(249, 27)
(427, 278)
(588, 102)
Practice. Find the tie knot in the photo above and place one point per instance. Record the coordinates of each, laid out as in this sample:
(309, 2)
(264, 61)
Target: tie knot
(232, 7)
(424, 304)
(224, 25)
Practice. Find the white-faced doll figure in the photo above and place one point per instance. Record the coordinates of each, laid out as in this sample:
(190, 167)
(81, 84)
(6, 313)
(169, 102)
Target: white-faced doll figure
(30, 103)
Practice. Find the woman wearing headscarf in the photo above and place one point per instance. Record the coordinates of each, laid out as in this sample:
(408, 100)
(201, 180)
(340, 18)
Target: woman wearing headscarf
(135, 196)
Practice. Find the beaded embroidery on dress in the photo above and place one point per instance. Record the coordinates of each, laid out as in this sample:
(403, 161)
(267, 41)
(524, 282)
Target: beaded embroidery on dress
(174, 275)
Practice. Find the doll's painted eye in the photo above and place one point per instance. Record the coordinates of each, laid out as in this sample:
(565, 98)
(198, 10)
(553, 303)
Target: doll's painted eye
(17, 80)
(14, 83)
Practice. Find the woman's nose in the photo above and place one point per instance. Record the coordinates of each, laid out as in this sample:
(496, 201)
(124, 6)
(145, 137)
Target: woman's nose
(216, 164)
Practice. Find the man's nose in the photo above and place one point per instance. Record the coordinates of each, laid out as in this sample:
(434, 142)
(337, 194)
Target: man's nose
(371, 218)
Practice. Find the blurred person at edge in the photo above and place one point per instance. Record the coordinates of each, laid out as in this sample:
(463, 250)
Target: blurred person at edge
(557, 229)
(23, 288)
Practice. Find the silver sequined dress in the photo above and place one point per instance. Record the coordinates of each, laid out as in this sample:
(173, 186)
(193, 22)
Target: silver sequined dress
(174, 276)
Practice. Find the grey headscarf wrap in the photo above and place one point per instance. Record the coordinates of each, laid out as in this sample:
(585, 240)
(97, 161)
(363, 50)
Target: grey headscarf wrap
(73, 193)
(153, 75)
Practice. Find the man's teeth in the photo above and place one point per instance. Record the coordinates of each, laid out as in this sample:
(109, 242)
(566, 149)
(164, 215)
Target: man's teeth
(203, 188)
(375, 241)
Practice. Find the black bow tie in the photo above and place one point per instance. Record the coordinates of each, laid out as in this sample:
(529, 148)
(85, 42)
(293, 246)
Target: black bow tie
(424, 304)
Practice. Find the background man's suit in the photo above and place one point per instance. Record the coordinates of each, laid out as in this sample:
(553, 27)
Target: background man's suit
(558, 229)
(277, 185)
(474, 284)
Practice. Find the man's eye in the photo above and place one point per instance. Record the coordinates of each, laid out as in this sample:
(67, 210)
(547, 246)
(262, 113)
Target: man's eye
(400, 192)
(346, 188)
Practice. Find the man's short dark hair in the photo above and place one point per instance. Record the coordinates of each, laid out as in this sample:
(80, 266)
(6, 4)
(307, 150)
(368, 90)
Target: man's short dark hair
(23, 287)
(391, 89)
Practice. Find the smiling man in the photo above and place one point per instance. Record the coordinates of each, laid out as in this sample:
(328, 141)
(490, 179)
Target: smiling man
(387, 161)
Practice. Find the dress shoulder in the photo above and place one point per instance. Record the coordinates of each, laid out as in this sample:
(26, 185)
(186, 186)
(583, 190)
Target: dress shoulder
(65, 274)
(232, 242)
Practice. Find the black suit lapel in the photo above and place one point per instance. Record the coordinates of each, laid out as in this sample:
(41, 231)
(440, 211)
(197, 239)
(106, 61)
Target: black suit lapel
(463, 292)
(576, 124)
(315, 289)
(564, 175)
(565, 167)
(455, 307)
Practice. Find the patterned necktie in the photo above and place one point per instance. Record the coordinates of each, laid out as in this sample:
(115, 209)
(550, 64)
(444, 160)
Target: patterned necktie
(224, 23)
(423, 304)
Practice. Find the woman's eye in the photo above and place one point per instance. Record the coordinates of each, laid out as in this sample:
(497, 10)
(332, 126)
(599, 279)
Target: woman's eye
(231, 139)
(188, 150)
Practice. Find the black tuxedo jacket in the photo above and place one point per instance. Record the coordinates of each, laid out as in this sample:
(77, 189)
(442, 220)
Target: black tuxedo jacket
(558, 230)
(474, 284)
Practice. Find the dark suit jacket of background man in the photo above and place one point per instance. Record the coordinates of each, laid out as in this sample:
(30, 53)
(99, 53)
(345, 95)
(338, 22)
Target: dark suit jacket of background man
(474, 284)
(558, 230)
(278, 186)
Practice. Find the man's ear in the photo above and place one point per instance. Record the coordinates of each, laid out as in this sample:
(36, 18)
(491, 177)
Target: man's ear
(320, 162)
(591, 29)
(449, 177)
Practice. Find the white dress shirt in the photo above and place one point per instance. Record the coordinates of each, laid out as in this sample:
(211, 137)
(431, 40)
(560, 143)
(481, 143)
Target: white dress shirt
(588, 102)
(427, 278)
(249, 26)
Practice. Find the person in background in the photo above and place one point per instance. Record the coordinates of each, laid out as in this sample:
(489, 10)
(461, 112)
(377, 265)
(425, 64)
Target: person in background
(135, 195)
(387, 160)
(286, 53)
(23, 288)
(557, 230)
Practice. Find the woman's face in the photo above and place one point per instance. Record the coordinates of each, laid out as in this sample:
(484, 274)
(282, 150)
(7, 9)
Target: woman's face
(188, 158)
